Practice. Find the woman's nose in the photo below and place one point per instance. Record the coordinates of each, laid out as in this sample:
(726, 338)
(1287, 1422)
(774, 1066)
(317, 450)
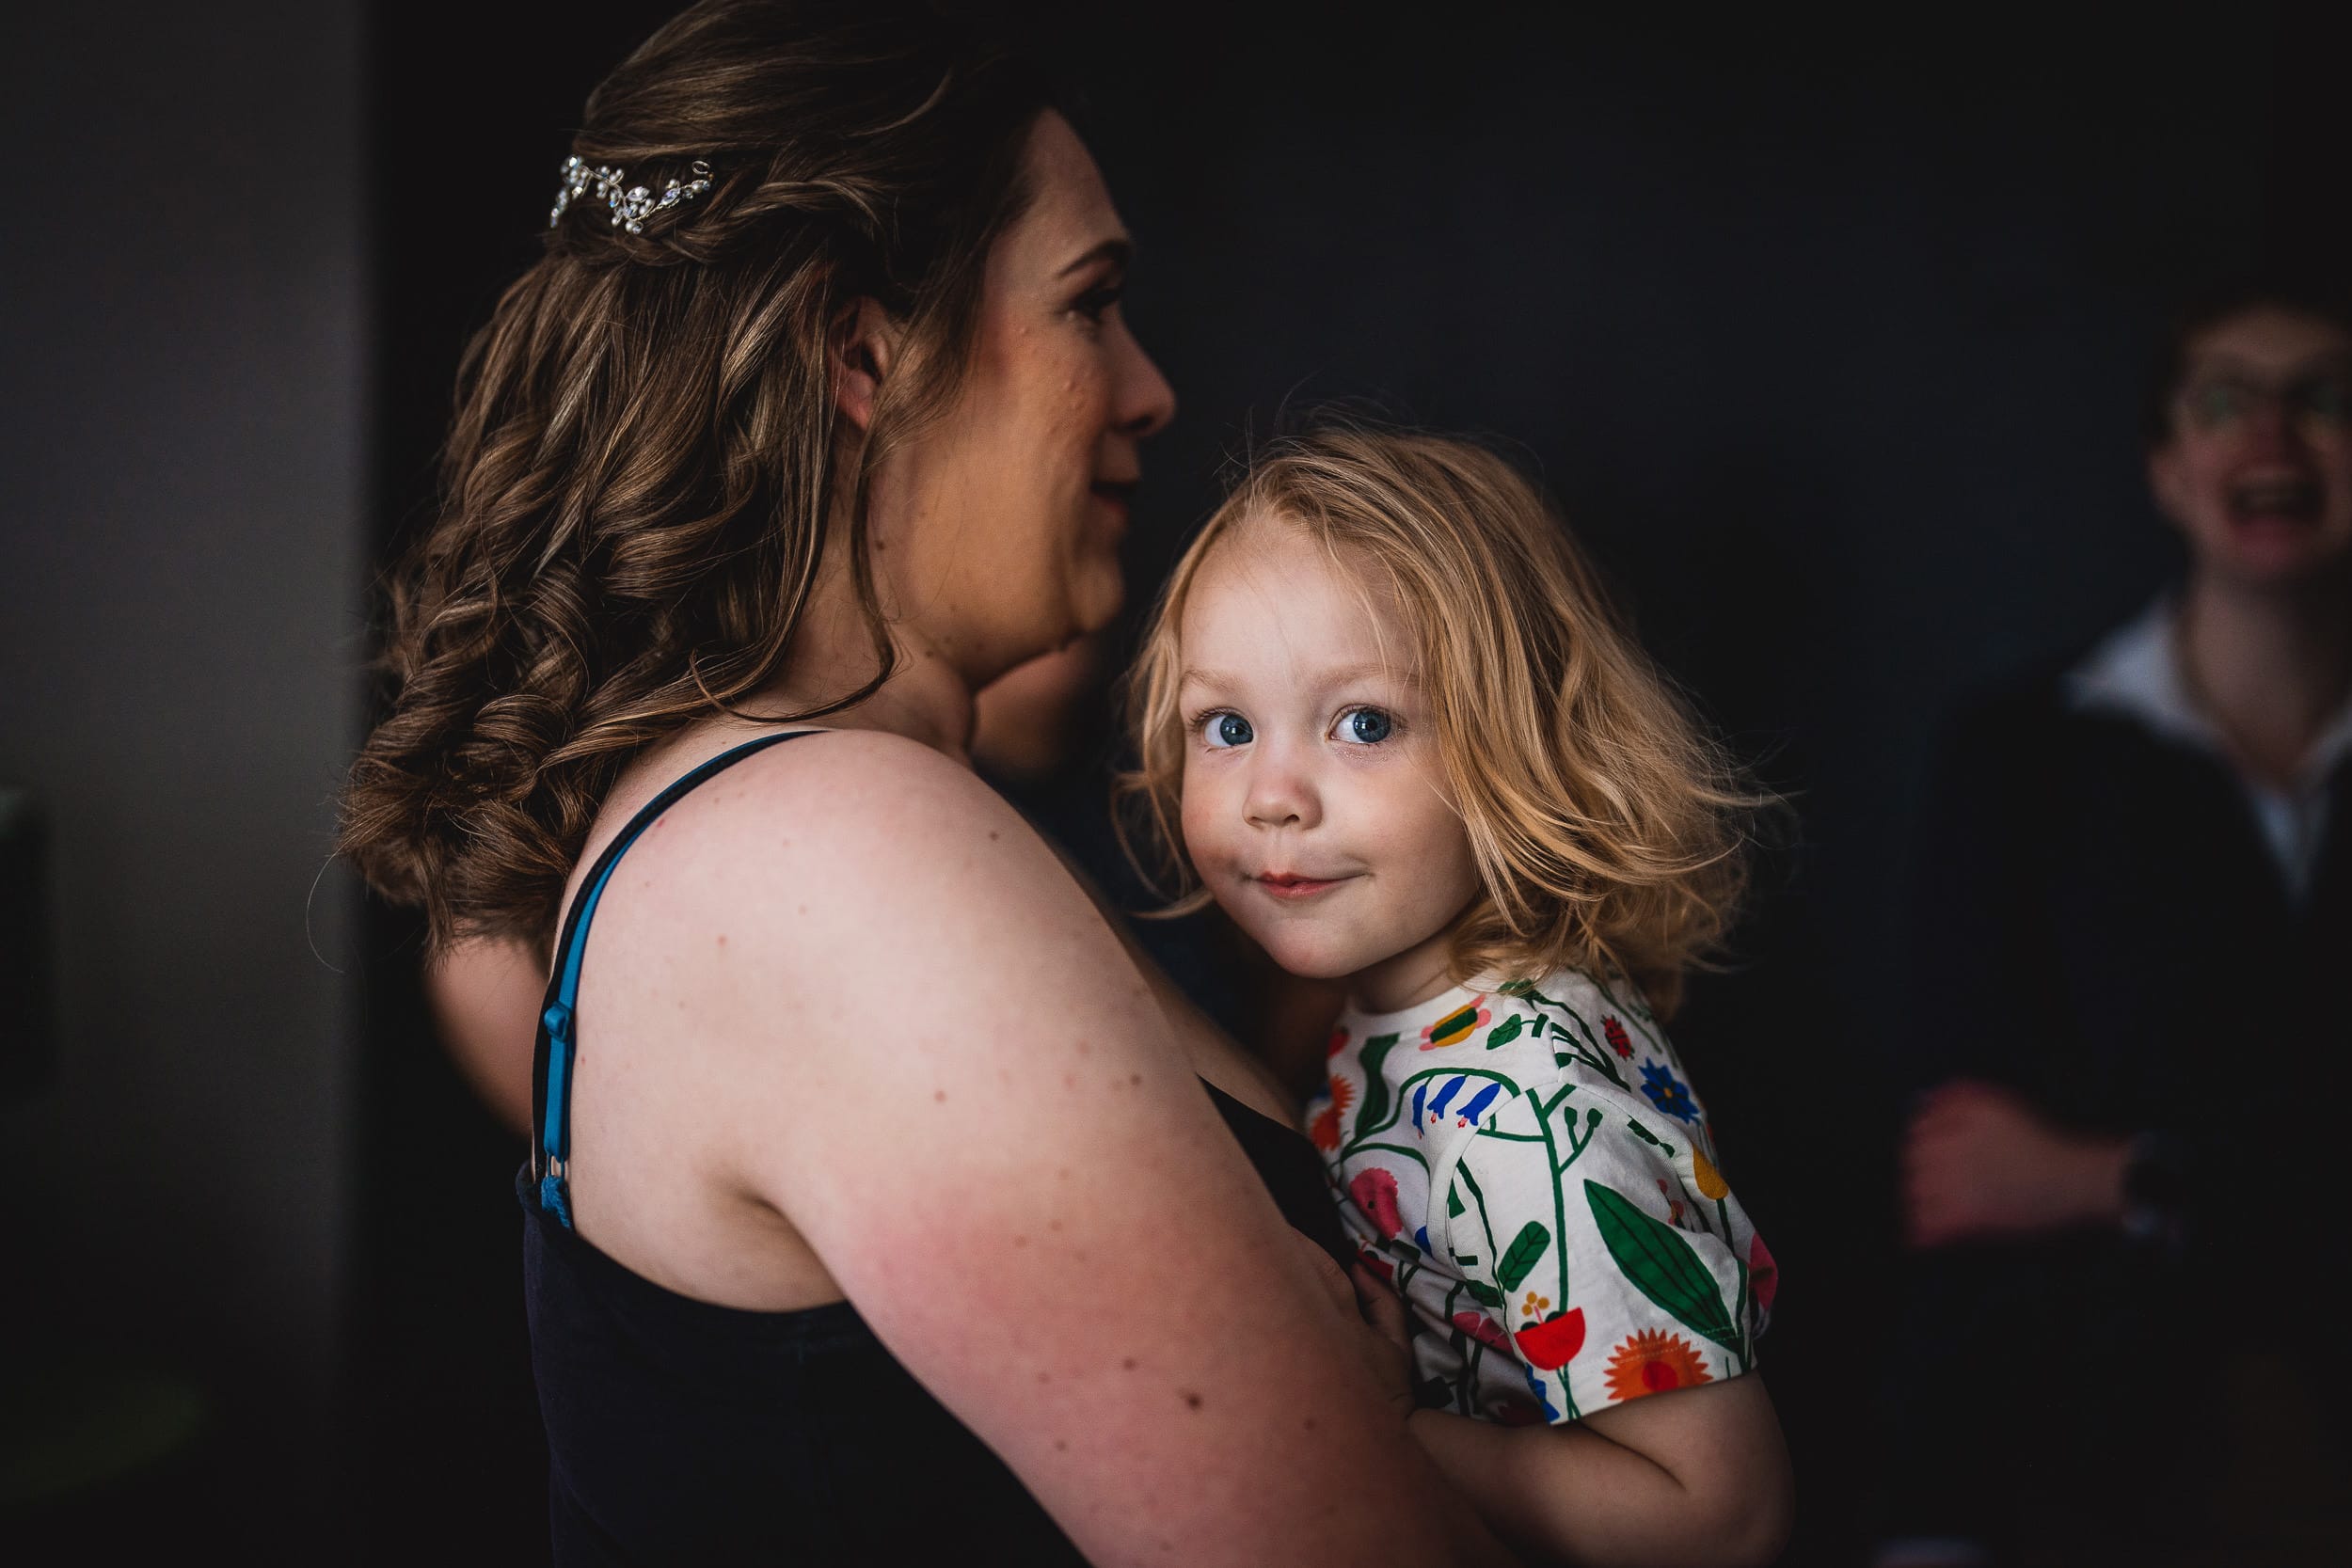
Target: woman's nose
(1145, 402)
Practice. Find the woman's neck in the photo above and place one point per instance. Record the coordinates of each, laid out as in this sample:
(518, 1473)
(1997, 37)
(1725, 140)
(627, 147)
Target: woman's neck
(2268, 666)
(927, 699)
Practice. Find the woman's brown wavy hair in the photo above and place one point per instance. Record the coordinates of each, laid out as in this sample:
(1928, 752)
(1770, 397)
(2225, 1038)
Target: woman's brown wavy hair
(645, 472)
(1607, 824)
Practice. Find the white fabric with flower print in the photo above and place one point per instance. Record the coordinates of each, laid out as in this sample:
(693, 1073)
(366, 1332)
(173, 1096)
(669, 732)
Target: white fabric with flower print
(1529, 1166)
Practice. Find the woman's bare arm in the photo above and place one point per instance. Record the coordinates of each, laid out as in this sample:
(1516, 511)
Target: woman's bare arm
(485, 995)
(942, 1068)
(1697, 1477)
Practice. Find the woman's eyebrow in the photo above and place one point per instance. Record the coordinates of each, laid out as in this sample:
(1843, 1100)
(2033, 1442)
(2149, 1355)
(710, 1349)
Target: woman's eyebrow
(1119, 249)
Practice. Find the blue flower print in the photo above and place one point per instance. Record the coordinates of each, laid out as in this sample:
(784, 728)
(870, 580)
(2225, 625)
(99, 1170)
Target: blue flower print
(1667, 1092)
(1535, 1386)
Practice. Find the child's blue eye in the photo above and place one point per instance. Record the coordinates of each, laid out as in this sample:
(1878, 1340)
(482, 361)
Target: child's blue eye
(1228, 729)
(1366, 726)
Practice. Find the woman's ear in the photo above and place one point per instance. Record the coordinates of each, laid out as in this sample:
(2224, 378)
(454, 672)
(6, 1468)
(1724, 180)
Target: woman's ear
(859, 347)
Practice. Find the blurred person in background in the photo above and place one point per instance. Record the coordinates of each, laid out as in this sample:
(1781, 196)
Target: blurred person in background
(2132, 997)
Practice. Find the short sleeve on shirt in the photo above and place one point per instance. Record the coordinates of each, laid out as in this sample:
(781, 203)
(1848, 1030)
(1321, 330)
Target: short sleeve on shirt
(1605, 1240)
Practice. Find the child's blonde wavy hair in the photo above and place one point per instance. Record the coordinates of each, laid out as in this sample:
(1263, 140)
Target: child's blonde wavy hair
(1607, 825)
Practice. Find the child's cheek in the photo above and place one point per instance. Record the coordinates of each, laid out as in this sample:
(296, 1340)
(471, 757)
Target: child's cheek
(1206, 838)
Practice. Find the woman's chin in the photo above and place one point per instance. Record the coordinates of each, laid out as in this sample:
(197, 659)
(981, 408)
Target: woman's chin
(1096, 599)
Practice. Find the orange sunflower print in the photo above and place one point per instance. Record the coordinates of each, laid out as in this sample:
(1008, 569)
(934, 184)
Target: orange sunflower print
(1324, 1130)
(1652, 1362)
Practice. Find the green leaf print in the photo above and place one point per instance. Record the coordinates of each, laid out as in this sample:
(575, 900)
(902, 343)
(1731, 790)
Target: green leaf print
(1649, 1137)
(1375, 1106)
(1505, 1032)
(1525, 1251)
(1653, 1254)
(1485, 1295)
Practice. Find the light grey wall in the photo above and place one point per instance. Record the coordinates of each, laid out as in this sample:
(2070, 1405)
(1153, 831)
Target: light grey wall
(181, 345)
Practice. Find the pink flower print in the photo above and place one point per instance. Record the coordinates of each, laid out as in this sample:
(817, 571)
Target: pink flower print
(1483, 1329)
(1615, 1034)
(1375, 1192)
(1763, 1274)
(1457, 1025)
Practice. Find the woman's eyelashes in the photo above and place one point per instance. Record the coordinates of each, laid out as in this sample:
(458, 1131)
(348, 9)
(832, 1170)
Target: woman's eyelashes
(1098, 302)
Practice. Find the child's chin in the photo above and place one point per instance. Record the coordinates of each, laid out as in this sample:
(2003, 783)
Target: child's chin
(1311, 960)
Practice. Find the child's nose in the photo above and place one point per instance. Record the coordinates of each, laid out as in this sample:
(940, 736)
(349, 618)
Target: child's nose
(1280, 795)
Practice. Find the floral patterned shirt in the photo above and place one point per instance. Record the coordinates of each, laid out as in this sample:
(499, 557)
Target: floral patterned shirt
(1528, 1165)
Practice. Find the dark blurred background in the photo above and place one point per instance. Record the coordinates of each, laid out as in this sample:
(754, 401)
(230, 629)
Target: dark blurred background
(1830, 341)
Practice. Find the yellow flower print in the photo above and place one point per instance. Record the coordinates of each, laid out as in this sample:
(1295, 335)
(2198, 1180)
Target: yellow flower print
(1457, 1025)
(1534, 1306)
(1711, 1182)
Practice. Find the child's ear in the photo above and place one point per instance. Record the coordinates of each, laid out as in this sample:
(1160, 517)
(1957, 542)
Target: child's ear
(859, 347)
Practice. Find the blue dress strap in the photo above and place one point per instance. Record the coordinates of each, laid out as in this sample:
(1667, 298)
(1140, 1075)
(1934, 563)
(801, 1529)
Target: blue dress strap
(559, 1024)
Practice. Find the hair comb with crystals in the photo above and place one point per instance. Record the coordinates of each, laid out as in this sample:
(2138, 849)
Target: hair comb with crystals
(631, 206)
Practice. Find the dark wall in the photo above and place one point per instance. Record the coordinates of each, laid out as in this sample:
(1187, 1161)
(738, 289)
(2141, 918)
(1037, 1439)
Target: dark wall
(181, 546)
(1830, 343)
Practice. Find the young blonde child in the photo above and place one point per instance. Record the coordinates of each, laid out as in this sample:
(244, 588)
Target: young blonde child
(1386, 721)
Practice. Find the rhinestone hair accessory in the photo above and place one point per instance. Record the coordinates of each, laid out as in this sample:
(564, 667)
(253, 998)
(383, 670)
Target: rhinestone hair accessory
(631, 206)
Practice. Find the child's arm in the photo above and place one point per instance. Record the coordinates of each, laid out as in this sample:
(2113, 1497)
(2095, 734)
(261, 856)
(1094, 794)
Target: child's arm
(1697, 1476)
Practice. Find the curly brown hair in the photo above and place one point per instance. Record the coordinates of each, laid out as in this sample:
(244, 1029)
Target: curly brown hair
(1606, 822)
(646, 471)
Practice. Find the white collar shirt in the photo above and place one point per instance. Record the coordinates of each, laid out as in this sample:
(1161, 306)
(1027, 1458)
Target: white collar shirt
(2136, 671)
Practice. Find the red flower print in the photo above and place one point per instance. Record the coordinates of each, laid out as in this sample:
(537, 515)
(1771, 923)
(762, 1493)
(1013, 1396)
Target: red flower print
(1652, 1362)
(1378, 1264)
(1324, 1130)
(1375, 1192)
(1338, 1043)
(1763, 1274)
(1549, 1344)
(1615, 1033)
(1482, 1328)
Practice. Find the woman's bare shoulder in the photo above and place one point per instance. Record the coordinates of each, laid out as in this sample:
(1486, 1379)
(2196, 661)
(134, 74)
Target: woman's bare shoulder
(859, 826)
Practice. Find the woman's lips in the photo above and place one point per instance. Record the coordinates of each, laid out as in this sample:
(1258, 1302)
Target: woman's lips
(1119, 495)
(1293, 889)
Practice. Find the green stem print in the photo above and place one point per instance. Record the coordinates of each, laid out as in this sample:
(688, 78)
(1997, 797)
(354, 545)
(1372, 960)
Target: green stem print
(1373, 1114)
(1582, 1047)
(1471, 1181)
(1661, 1264)
(1649, 1137)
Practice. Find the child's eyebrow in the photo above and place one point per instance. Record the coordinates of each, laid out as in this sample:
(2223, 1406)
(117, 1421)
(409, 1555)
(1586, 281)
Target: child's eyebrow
(1339, 675)
(1368, 671)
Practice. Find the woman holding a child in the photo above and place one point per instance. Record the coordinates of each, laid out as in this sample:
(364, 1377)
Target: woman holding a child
(880, 1208)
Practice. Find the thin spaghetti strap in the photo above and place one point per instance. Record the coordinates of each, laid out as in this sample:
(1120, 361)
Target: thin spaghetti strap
(559, 1026)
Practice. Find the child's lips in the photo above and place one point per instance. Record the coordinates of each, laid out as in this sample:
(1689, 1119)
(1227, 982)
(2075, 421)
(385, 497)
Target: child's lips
(1291, 887)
